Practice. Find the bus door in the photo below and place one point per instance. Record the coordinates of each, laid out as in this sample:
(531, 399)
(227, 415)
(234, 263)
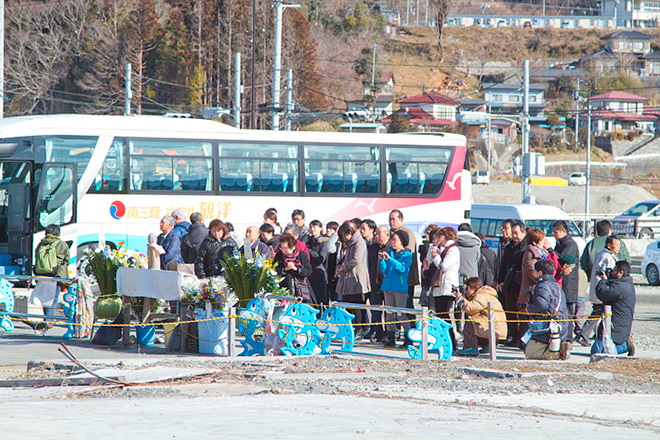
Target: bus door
(56, 201)
(15, 217)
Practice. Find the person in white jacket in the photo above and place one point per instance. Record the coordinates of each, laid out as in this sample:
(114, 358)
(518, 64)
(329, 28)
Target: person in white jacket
(446, 258)
(603, 265)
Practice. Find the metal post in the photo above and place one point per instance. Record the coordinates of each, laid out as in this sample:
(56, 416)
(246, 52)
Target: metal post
(490, 143)
(492, 338)
(607, 330)
(237, 90)
(424, 345)
(373, 68)
(289, 99)
(526, 191)
(275, 100)
(586, 188)
(577, 114)
(2, 58)
(253, 124)
(129, 92)
(231, 339)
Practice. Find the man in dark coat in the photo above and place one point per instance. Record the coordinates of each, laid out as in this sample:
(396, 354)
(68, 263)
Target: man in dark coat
(487, 263)
(318, 255)
(570, 281)
(619, 292)
(396, 223)
(193, 239)
(510, 277)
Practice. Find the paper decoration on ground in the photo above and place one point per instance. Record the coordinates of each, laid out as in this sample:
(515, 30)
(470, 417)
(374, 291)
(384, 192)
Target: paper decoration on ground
(336, 325)
(298, 330)
(438, 339)
(251, 322)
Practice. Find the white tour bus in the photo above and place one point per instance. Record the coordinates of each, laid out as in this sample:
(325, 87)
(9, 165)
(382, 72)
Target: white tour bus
(111, 178)
(487, 218)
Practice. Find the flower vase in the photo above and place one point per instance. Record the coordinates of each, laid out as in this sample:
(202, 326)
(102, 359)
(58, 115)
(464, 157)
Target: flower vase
(107, 306)
(213, 334)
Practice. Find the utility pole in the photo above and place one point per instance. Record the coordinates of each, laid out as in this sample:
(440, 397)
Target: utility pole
(237, 90)
(577, 114)
(2, 58)
(586, 189)
(490, 142)
(289, 99)
(526, 163)
(373, 68)
(129, 92)
(253, 124)
(277, 63)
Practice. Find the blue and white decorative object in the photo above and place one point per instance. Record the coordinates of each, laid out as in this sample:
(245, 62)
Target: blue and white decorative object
(335, 323)
(298, 330)
(7, 302)
(213, 330)
(438, 339)
(251, 323)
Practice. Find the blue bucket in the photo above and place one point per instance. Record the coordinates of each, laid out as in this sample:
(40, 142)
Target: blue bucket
(145, 335)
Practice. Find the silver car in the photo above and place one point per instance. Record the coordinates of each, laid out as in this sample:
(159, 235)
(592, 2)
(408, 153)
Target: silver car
(640, 221)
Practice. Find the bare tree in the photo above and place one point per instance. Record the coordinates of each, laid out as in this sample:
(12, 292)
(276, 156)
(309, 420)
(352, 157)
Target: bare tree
(442, 8)
(43, 39)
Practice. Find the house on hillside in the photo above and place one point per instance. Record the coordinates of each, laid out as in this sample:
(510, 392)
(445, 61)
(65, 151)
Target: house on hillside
(377, 107)
(429, 111)
(620, 112)
(624, 50)
(630, 14)
(507, 99)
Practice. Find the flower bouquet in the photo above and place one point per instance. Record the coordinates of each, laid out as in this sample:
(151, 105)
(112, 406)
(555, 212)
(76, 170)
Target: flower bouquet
(211, 300)
(247, 277)
(103, 265)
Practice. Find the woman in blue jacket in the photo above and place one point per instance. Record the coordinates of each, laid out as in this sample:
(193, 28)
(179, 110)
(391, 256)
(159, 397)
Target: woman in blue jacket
(395, 265)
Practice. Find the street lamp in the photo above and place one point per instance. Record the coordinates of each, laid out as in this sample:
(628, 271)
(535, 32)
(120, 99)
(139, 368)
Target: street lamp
(588, 161)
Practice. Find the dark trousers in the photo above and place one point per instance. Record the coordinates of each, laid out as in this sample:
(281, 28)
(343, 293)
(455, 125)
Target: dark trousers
(444, 307)
(510, 305)
(410, 301)
(360, 314)
(376, 298)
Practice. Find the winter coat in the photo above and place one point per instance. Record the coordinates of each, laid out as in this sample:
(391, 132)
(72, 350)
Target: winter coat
(181, 229)
(547, 298)
(476, 310)
(510, 274)
(373, 263)
(487, 265)
(192, 240)
(449, 265)
(63, 256)
(318, 252)
(529, 259)
(396, 270)
(172, 245)
(211, 251)
(570, 282)
(469, 246)
(258, 248)
(604, 262)
(293, 277)
(354, 279)
(413, 275)
(620, 294)
(591, 251)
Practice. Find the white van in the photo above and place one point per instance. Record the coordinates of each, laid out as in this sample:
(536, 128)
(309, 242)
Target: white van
(487, 218)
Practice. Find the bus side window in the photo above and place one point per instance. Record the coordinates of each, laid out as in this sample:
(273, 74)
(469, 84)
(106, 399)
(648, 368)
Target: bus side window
(476, 225)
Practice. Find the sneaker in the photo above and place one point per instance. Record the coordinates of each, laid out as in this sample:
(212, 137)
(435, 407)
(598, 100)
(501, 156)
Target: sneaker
(565, 350)
(484, 350)
(631, 346)
(41, 328)
(472, 352)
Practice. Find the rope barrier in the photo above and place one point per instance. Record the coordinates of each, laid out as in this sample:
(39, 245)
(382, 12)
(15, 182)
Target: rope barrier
(12, 371)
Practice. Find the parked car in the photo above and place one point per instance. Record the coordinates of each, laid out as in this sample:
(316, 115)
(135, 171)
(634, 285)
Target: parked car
(651, 263)
(481, 177)
(577, 179)
(641, 220)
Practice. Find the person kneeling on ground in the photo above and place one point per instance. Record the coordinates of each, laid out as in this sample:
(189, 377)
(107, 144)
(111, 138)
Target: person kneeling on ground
(617, 291)
(548, 299)
(475, 305)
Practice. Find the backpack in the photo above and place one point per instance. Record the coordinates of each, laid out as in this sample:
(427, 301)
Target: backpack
(47, 261)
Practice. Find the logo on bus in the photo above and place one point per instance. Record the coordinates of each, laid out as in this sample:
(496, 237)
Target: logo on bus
(117, 209)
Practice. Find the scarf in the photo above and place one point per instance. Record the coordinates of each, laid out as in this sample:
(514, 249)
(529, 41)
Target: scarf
(293, 258)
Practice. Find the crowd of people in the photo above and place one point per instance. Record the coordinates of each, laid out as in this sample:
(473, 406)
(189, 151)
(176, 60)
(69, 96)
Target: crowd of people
(533, 286)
